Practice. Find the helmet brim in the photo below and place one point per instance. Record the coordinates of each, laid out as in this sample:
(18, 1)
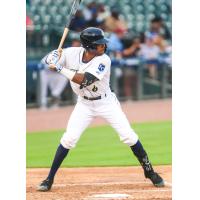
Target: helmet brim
(101, 41)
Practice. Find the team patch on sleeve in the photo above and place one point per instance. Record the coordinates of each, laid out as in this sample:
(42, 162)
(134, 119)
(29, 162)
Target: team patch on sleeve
(101, 67)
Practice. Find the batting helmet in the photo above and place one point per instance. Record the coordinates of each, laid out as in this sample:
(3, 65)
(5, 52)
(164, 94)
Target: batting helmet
(90, 37)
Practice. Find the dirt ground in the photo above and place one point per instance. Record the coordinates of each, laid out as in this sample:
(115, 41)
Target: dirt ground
(99, 183)
(88, 183)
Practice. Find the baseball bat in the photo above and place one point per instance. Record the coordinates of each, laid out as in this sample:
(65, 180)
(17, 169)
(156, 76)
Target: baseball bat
(74, 8)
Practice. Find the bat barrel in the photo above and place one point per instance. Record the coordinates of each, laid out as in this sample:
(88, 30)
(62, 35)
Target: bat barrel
(74, 8)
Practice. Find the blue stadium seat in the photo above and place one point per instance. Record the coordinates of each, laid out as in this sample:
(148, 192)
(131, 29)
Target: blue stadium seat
(37, 19)
(138, 13)
(47, 2)
(140, 8)
(151, 8)
(46, 19)
(33, 10)
(41, 10)
(63, 11)
(57, 19)
(52, 10)
(36, 2)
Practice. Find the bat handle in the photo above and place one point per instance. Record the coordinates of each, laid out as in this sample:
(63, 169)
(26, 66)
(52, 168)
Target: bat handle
(66, 30)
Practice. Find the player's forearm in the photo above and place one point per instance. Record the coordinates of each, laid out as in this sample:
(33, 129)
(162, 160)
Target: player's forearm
(69, 74)
(73, 76)
(78, 78)
(129, 51)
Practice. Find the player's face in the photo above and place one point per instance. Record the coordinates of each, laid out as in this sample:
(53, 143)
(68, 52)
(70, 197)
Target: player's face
(100, 49)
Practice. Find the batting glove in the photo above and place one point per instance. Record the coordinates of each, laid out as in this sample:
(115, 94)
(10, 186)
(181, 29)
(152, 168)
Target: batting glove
(55, 67)
(58, 67)
(52, 58)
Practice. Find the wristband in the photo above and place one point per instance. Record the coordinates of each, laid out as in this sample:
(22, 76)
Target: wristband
(58, 67)
(67, 73)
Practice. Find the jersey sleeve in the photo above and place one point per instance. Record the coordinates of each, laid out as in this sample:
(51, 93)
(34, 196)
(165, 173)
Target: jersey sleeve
(68, 55)
(43, 60)
(99, 67)
(42, 64)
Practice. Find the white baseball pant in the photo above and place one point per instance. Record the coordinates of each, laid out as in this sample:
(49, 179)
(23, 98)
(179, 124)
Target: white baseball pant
(52, 80)
(108, 108)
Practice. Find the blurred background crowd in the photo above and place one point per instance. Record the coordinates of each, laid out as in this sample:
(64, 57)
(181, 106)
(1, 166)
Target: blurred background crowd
(139, 45)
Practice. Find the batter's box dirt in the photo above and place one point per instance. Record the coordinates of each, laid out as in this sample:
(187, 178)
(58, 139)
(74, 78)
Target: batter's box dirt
(99, 183)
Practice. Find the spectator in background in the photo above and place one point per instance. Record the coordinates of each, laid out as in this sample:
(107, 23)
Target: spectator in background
(29, 23)
(88, 10)
(78, 23)
(76, 43)
(161, 38)
(115, 44)
(133, 50)
(103, 13)
(114, 22)
(94, 22)
(114, 48)
(165, 50)
(29, 30)
(130, 76)
(160, 42)
(52, 81)
(158, 28)
(150, 53)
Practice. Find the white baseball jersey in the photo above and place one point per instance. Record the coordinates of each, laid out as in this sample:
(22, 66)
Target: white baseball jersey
(107, 107)
(99, 66)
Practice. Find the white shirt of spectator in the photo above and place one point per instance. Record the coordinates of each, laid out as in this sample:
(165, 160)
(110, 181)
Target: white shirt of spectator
(149, 52)
(99, 66)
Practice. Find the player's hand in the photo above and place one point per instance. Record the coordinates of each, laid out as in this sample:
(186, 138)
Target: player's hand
(53, 57)
(55, 67)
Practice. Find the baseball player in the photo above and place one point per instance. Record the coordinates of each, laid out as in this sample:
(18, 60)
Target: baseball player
(88, 69)
(53, 81)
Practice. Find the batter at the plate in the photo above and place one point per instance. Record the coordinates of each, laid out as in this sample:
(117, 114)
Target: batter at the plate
(88, 69)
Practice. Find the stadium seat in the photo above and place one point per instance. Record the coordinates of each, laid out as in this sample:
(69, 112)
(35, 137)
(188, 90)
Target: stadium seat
(46, 19)
(36, 19)
(47, 2)
(52, 10)
(138, 13)
(42, 10)
(151, 8)
(46, 27)
(33, 10)
(140, 8)
(63, 11)
(35, 2)
(57, 19)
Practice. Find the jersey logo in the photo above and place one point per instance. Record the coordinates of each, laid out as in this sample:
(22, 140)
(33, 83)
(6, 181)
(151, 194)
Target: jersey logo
(101, 67)
(95, 88)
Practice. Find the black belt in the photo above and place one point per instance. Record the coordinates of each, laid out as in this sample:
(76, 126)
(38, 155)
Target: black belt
(93, 98)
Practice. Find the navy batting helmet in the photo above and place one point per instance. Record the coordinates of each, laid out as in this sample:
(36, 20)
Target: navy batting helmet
(90, 37)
